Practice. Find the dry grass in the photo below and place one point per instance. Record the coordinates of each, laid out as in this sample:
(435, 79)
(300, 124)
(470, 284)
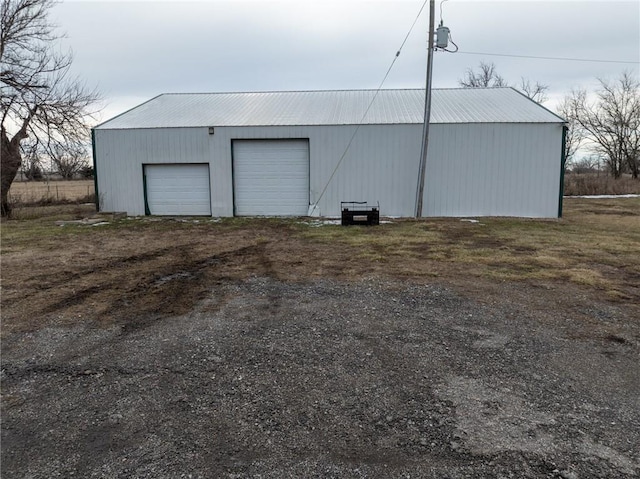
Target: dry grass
(577, 184)
(597, 244)
(47, 192)
(120, 269)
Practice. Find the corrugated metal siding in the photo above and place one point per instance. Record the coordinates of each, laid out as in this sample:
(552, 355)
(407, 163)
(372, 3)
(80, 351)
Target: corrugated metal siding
(493, 170)
(472, 170)
(381, 164)
(476, 105)
(121, 154)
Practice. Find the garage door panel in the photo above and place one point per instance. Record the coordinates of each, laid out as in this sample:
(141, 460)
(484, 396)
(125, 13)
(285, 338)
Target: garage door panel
(178, 189)
(271, 177)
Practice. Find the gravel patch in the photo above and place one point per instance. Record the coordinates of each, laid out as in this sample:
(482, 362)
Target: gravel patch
(324, 378)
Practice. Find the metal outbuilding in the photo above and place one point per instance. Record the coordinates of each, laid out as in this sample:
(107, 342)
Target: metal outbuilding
(492, 152)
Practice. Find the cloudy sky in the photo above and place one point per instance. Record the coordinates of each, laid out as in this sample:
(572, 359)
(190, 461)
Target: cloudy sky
(132, 51)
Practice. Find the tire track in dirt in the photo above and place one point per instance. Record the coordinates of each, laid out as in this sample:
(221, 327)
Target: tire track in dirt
(170, 289)
(45, 281)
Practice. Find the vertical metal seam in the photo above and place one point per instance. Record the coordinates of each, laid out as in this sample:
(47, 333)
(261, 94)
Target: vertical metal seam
(147, 211)
(563, 159)
(95, 169)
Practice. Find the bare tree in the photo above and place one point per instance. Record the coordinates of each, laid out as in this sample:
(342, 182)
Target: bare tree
(586, 164)
(536, 91)
(576, 135)
(486, 76)
(69, 159)
(39, 98)
(612, 122)
(31, 161)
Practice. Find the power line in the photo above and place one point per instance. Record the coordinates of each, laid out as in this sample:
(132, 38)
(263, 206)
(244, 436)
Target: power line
(369, 106)
(550, 58)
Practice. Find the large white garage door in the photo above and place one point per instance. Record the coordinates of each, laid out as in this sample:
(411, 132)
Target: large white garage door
(271, 177)
(178, 189)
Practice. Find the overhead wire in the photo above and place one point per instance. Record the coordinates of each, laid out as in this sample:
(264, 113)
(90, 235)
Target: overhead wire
(454, 44)
(550, 58)
(530, 56)
(377, 91)
(375, 95)
(441, 10)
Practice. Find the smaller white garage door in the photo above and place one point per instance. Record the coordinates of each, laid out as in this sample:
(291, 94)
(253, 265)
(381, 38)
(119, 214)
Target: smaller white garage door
(271, 177)
(178, 189)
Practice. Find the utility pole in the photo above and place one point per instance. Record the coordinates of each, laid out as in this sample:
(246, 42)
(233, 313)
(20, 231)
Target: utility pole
(427, 111)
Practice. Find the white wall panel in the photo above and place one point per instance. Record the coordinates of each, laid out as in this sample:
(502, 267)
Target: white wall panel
(493, 170)
(381, 162)
(381, 165)
(121, 154)
(473, 169)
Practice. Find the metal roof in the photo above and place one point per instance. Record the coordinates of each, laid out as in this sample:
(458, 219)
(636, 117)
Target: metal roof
(342, 107)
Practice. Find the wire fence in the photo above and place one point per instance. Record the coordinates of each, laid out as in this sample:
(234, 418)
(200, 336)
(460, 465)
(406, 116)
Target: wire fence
(34, 192)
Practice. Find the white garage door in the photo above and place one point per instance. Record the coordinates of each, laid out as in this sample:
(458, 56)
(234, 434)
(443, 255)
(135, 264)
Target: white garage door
(271, 177)
(178, 189)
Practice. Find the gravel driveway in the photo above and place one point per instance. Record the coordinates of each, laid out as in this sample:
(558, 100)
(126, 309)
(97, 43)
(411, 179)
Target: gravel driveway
(373, 378)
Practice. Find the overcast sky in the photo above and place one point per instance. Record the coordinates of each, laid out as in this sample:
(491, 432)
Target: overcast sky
(132, 51)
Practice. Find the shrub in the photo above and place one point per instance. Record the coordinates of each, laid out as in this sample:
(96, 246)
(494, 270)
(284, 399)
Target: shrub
(577, 184)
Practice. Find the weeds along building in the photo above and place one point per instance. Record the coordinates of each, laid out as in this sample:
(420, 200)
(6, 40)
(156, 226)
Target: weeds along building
(492, 152)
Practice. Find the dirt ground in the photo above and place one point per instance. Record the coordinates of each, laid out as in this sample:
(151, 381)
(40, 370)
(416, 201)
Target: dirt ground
(269, 348)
